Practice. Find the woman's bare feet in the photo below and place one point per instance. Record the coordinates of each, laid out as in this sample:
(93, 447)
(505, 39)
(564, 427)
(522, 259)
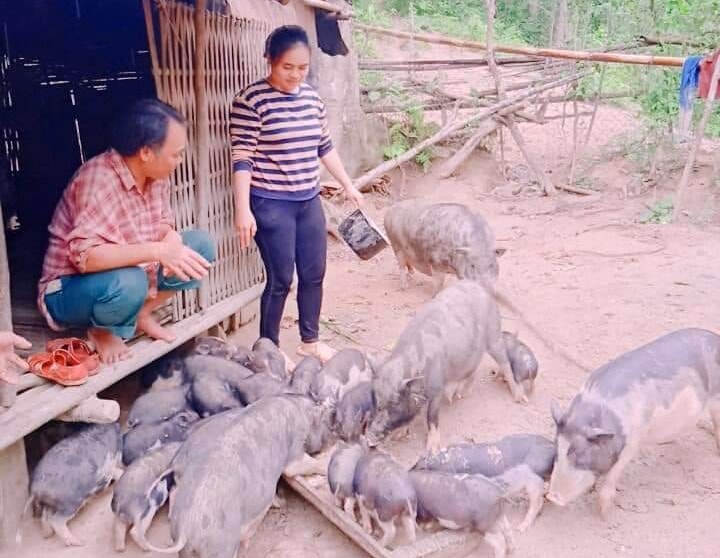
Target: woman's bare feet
(110, 347)
(318, 349)
(150, 327)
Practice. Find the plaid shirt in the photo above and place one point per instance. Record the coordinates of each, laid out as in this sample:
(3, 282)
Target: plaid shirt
(102, 205)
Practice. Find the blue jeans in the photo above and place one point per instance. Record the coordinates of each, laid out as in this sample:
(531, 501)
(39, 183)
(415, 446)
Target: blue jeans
(112, 299)
(291, 234)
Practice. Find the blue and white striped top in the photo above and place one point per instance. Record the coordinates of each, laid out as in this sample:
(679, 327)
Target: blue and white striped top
(279, 137)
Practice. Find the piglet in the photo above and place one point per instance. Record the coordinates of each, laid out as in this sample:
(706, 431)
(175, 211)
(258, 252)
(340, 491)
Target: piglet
(340, 475)
(521, 462)
(523, 363)
(346, 369)
(354, 412)
(148, 437)
(133, 503)
(304, 373)
(384, 493)
(464, 502)
(71, 472)
(266, 358)
(158, 405)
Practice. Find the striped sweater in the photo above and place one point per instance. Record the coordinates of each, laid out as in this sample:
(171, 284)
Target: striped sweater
(279, 138)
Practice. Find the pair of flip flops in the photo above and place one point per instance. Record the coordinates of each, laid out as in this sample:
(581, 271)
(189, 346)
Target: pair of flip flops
(68, 362)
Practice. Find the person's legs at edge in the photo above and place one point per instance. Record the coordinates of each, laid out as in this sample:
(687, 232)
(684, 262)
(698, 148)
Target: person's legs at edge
(275, 239)
(107, 302)
(311, 258)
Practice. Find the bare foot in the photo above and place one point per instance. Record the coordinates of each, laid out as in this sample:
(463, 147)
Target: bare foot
(110, 347)
(149, 326)
(320, 350)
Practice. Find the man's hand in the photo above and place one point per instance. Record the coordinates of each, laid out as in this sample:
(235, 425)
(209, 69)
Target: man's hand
(173, 237)
(9, 361)
(182, 262)
(245, 226)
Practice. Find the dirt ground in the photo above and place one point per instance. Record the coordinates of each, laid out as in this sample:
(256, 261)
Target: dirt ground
(596, 281)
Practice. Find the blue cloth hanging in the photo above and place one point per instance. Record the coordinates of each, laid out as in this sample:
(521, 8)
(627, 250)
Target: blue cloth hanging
(689, 80)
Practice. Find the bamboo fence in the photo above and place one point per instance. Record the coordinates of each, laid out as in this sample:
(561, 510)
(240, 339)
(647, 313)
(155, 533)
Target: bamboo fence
(233, 60)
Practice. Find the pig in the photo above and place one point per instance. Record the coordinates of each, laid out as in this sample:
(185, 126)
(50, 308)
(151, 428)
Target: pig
(523, 363)
(342, 372)
(218, 501)
(133, 504)
(158, 405)
(266, 358)
(354, 412)
(214, 383)
(652, 394)
(385, 493)
(340, 475)
(70, 473)
(167, 373)
(441, 238)
(242, 356)
(462, 501)
(258, 386)
(304, 373)
(437, 354)
(148, 437)
(518, 462)
(214, 346)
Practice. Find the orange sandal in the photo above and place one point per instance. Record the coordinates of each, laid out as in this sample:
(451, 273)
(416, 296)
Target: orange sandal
(79, 352)
(58, 367)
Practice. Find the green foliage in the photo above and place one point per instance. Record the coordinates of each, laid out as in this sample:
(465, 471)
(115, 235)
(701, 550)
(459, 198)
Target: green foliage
(408, 132)
(592, 24)
(660, 213)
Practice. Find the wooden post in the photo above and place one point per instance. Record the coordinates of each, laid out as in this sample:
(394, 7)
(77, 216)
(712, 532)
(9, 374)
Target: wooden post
(699, 133)
(13, 467)
(202, 131)
(7, 391)
(532, 164)
(152, 45)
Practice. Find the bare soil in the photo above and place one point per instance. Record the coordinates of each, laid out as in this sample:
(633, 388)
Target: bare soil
(596, 281)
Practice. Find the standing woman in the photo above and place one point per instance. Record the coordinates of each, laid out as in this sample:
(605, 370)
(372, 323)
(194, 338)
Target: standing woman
(279, 133)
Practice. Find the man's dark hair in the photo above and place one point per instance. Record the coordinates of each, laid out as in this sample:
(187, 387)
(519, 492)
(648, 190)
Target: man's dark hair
(143, 124)
(283, 39)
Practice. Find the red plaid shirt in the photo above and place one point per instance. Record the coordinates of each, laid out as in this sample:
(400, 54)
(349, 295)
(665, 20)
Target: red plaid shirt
(102, 205)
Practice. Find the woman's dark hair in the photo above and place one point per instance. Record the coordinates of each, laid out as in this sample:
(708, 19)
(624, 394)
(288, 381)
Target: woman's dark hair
(143, 124)
(283, 39)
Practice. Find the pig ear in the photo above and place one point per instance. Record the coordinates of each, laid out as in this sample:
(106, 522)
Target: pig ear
(500, 251)
(557, 412)
(202, 348)
(184, 419)
(414, 385)
(599, 435)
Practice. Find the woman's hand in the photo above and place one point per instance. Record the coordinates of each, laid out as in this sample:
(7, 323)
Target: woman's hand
(245, 226)
(354, 195)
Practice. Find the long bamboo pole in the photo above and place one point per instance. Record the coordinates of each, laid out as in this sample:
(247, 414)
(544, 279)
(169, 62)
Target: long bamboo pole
(641, 59)
(202, 130)
(457, 124)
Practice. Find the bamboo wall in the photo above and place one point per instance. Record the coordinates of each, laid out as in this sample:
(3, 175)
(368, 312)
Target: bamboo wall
(234, 60)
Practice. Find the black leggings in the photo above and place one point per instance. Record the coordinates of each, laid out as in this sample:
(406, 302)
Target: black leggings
(291, 233)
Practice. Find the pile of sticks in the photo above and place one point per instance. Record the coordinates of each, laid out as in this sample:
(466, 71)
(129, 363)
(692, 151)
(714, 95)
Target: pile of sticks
(477, 114)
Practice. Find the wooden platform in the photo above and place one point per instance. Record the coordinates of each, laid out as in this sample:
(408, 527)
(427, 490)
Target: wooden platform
(441, 544)
(44, 401)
